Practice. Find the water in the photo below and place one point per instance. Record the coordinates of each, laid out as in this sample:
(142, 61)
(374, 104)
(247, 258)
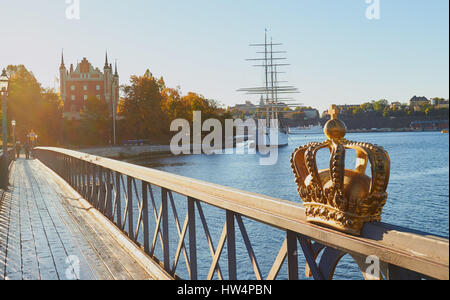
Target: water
(418, 190)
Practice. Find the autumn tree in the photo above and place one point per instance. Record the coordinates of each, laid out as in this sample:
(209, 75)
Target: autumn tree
(172, 104)
(141, 107)
(50, 110)
(33, 107)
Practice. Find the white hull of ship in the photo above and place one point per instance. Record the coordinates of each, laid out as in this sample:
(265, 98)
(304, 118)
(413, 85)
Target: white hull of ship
(273, 137)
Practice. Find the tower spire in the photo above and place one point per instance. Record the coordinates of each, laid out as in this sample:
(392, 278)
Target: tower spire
(62, 59)
(115, 72)
(106, 60)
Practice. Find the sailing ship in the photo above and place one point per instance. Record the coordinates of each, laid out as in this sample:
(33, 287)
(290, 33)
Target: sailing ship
(273, 95)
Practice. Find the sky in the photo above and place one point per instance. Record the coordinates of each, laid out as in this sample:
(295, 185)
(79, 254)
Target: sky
(337, 54)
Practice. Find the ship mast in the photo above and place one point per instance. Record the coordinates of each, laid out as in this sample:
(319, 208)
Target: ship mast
(267, 79)
(271, 88)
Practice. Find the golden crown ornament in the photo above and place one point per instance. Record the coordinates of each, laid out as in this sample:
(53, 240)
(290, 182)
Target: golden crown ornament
(337, 197)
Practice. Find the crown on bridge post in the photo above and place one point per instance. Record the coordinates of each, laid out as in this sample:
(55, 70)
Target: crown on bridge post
(338, 197)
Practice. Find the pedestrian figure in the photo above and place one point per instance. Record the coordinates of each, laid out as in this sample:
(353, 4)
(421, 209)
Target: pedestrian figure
(27, 150)
(18, 149)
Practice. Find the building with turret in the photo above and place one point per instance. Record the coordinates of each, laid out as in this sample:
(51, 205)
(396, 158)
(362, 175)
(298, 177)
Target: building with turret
(84, 82)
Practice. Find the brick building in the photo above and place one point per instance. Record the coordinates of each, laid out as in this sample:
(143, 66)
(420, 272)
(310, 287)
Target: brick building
(83, 82)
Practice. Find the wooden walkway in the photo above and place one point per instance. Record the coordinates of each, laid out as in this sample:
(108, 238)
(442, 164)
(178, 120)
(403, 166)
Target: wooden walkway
(46, 234)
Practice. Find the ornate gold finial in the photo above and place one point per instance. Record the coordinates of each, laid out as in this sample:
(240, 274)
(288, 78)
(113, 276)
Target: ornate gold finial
(341, 198)
(333, 112)
(335, 129)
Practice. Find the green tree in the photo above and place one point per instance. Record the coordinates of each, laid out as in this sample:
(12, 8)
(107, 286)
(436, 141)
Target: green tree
(380, 105)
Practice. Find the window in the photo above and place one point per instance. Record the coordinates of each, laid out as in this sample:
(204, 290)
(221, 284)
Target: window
(85, 97)
(73, 97)
(98, 97)
(85, 87)
(72, 88)
(98, 88)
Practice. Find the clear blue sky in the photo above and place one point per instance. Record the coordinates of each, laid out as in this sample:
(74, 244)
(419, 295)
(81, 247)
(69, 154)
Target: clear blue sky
(337, 54)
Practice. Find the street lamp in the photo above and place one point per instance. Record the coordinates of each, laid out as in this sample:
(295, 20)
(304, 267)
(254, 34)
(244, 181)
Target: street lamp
(4, 85)
(13, 123)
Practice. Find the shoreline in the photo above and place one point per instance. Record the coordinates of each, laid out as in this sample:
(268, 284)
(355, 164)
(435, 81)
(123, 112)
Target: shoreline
(393, 130)
(129, 152)
(124, 152)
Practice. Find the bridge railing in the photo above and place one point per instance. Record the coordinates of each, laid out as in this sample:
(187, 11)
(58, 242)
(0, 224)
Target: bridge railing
(4, 167)
(146, 205)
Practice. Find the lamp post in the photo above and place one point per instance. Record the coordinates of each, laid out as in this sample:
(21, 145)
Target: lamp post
(13, 124)
(4, 84)
(114, 123)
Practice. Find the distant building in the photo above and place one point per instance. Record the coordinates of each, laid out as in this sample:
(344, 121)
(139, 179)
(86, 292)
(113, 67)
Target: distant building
(417, 101)
(430, 125)
(396, 105)
(311, 113)
(443, 105)
(77, 85)
(439, 103)
(247, 108)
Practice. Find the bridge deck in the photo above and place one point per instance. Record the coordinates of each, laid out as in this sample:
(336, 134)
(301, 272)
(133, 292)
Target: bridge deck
(45, 234)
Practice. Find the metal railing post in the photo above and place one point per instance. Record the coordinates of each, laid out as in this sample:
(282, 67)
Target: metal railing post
(165, 228)
(118, 199)
(231, 246)
(145, 217)
(192, 239)
(130, 207)
(292, 255)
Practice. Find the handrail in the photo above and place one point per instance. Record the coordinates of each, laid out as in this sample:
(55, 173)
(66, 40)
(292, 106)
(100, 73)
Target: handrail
(410, 250)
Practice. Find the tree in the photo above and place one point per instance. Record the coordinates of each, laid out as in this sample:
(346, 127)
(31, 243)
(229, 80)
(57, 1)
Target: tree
(142, 107)
(33, 107)
(380, 105)
(367, 106)
(95, 122)
(51, 110)
(172, 104)
(357, 111)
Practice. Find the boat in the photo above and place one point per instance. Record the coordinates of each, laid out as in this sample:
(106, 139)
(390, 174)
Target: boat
(313, 129)
(445, 131)
(276, 131)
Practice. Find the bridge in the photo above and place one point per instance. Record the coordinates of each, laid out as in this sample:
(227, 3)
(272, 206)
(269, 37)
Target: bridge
(70, 215)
